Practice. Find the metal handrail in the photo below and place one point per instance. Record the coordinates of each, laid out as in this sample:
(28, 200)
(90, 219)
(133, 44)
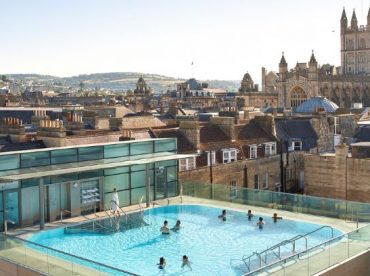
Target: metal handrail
(141, 201)
(120, 209)
(68, 254)
(305, 251)
(62, 212)
(285, 242)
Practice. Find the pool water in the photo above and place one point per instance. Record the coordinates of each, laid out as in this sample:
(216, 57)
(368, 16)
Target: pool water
(214, 247)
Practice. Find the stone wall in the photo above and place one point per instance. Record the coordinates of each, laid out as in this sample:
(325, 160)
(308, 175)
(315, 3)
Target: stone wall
(337, 176)
(236, 171)
(322, 127)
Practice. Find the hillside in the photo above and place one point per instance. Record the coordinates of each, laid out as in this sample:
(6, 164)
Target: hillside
(119, 81)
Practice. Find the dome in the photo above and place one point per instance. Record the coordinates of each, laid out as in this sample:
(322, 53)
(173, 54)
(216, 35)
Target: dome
(247, 77)
(317, 104)
(194, 84)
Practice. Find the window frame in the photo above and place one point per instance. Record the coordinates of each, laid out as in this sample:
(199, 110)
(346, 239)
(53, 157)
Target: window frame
(209, 158)
(254, 148)
(233, 189)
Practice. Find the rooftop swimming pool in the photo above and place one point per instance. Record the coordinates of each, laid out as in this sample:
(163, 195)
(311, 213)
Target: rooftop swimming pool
(213, 246)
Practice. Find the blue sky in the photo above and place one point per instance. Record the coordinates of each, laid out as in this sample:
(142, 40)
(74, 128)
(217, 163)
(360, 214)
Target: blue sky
(224, 38)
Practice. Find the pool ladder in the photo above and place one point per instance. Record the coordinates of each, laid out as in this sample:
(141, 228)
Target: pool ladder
(263, 259)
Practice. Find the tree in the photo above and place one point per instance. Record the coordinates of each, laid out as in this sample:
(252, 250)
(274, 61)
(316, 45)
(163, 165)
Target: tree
(4, 78)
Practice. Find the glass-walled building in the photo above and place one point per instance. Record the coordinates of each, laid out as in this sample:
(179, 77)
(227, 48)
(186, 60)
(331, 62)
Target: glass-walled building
(38, 186)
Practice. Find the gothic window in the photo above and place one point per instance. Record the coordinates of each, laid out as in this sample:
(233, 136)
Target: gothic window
(297, 96)
(349, 45)
(362, 44)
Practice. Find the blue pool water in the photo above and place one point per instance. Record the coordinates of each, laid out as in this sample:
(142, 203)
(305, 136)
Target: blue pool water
(214, 247)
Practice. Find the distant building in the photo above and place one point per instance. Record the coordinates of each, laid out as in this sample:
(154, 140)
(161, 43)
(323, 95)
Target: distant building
(141, 88)
(346, 85)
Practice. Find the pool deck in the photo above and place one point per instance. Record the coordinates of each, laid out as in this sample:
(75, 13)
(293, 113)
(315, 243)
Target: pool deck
(36, 259)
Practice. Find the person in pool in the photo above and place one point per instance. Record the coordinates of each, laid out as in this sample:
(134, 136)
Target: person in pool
(162, 263)
(177, 226)
(223, 215)
(275, 217)
(164, 229)
(250, 215)
(185, 262)
(260, 223)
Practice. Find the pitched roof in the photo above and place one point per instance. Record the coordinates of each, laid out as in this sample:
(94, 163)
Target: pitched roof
(362, 134)
(297, 130)
(250, 133)
(183, 144)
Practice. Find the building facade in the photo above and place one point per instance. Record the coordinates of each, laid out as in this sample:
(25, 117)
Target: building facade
(345, 85)
(37, 186)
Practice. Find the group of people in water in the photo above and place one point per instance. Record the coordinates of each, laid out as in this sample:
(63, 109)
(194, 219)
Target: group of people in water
(185, 262)
(166, 230)
(260, 222)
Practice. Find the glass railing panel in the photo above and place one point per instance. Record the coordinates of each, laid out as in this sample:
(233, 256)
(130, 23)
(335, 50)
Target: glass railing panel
(290, 202)
(36, 257)
(358, 241)
(57, 266)
(338, 248)
(318, 259)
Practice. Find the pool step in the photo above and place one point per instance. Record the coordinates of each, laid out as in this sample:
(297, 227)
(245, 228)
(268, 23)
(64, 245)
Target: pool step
(107, 225)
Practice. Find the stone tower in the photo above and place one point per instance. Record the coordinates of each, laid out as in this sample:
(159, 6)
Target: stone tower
(283, 73)
(355, 45)
(313, 76)
(142, 88)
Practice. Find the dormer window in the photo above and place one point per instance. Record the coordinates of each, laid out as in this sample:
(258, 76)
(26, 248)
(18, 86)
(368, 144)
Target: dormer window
(211, 158)
(270, 148)
(253, 151)
(297, 145)
(229, 155)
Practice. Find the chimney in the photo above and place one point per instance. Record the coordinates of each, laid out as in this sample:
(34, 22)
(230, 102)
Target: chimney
(267, 123)
(227, 125)
(191, 130)
(263, 79)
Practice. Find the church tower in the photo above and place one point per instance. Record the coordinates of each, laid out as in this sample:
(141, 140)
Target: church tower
(283, 74)
(313, 76)
(354, 26)
(343, 30)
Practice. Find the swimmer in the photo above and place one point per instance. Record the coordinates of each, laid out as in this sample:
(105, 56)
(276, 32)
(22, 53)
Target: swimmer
(162, 263)
(164, 229)
(223, 215)
(260, 223)
(275, 217)
(185, 262)
(177, 225)
(250, 215)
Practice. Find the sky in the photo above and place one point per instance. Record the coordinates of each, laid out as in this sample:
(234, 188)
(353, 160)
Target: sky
(223, 39)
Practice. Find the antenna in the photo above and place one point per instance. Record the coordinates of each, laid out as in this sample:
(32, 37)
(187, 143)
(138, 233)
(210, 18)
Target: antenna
(192, 69)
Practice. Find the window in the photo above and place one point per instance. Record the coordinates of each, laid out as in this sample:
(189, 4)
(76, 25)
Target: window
(297, 145)
(229, 155)
(187, 164)
(233, 189)
(253, 152)
(265, 181)
(256, 181)
(270, 149)
(211, 161)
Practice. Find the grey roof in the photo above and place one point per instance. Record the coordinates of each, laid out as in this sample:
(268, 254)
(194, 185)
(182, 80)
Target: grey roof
(362, 134)
(316, 104)
(297, 130)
